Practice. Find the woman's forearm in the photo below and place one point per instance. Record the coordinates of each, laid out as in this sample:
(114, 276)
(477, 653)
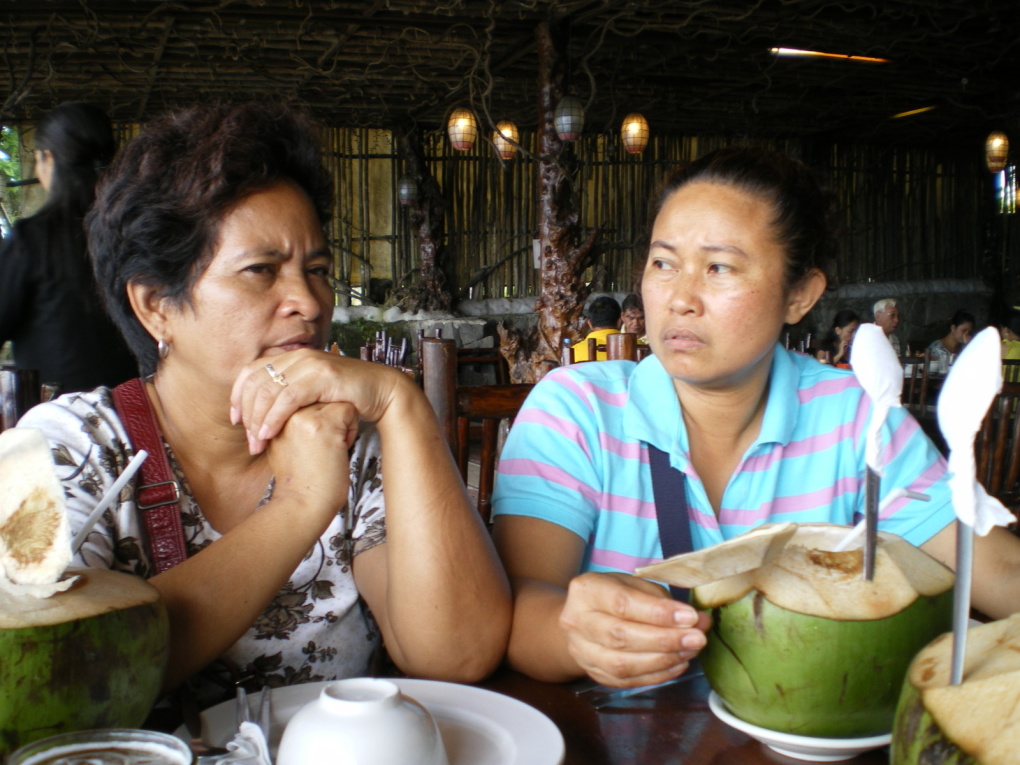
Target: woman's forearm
(447, 601)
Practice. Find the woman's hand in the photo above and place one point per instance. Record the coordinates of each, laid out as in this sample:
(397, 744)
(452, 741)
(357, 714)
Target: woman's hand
(625, 631)
(309, 457)
(312, 377)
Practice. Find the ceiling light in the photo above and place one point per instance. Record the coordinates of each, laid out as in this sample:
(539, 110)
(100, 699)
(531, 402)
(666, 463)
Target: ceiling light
(996, 151)
(634, 132)
(798, 53)
(462, 129)
(568, 119)
(912, 112)
(505, 139)
(407, 190)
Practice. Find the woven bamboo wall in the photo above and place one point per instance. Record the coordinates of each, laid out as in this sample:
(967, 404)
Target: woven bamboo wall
(906, 214)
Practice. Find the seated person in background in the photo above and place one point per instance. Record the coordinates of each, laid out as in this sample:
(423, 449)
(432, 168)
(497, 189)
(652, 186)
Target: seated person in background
(1010, 332)
(321, 507)
(835, 346)
(602, 317)
(632, 318)
(961, 329)
(887, 316)
(758, 434)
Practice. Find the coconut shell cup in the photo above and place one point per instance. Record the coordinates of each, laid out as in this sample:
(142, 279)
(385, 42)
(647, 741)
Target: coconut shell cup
(800, 643)
(90, 657)
(975, 721)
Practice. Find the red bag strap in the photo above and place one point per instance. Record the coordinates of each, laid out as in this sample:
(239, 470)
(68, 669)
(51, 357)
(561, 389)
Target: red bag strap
(157, 494)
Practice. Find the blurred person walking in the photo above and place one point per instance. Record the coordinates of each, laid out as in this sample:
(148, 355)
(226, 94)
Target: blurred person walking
(49, 305)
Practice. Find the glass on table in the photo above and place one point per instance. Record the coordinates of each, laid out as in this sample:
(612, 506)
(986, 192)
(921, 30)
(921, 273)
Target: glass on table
(111, 746)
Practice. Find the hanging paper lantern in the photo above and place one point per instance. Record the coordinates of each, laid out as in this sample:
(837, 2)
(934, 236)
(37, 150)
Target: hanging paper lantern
(462, 129)
(407, 190)
(568, 119)
(634, 133)
(996, 151)
(505, 130)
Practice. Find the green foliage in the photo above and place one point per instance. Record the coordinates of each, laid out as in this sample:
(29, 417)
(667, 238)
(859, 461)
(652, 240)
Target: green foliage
(11, 199)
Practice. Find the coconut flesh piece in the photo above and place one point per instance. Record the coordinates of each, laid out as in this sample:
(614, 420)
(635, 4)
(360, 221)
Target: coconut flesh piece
(793, 567)
(35, 535)
(981, 715)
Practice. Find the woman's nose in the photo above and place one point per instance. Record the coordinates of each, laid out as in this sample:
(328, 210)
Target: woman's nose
(299, 296)
(685, 295)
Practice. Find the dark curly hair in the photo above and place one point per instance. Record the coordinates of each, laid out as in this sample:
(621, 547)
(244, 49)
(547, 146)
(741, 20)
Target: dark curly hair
(158, 207)
(803, 220)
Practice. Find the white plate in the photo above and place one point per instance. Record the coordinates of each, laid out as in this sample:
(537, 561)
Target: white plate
(478, 727)
(799, 747)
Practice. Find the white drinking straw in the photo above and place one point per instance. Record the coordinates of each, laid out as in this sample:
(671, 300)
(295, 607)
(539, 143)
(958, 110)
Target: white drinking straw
(108, 499)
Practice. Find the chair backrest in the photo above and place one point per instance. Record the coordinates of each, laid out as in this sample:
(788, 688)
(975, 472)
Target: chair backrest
(622, 346)
(459, 407)
(997, 447)
(19, 392)
(916, 383)
(1011, 370)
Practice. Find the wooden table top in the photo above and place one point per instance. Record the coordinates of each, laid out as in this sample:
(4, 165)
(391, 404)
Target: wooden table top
(668, 725)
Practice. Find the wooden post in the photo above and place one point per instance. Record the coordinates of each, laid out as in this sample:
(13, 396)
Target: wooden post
(439, 380)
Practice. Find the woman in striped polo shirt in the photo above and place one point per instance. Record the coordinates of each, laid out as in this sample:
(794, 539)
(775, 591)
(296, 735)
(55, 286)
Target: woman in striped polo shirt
(755, 433)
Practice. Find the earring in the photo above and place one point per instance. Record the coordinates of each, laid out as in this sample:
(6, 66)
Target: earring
(163, 348)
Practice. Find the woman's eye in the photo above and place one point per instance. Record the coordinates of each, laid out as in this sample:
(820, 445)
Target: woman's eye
(260, 268)
(719, 268)
(661, 265)
(320, 271)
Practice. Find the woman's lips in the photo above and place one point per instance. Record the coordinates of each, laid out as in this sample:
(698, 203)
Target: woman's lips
(683, 340)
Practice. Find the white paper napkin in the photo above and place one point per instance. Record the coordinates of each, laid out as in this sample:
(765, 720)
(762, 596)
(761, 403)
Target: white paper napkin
(968, 392)
(248, 746)
(878, 369)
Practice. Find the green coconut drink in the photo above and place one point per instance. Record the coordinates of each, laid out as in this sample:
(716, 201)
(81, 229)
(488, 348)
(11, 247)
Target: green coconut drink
(78, 649)
(976, 721)
(800, 642)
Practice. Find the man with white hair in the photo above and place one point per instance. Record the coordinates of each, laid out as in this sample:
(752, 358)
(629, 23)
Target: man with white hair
(887, 316)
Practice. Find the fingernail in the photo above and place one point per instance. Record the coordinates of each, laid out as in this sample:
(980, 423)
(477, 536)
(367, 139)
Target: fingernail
(233, 415)
(693, 641)
(263, 433)
(684, 618)
(251, 443)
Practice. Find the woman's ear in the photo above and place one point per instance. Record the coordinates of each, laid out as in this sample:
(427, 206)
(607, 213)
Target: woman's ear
(150, 308)
(804, 295)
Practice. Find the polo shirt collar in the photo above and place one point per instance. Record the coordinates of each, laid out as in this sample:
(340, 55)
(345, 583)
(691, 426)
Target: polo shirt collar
(652, 411)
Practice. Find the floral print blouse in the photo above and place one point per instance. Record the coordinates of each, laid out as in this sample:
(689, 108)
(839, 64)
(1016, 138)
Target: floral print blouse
(316, 628)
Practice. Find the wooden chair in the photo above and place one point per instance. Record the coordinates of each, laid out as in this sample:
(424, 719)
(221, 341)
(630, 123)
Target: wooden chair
(1011, 370)
(622, 346)
(20, 390)
(460, 407)
(997, 448)
(917, 386)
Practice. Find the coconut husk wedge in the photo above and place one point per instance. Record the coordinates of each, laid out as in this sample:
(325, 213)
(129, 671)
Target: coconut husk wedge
(35, 536)
(977, 720)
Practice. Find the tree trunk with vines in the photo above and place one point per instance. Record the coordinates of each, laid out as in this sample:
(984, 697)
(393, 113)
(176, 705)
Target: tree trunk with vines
(564, 257)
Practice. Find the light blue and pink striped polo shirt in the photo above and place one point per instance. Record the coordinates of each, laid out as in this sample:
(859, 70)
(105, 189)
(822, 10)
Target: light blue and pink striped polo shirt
(577, 456)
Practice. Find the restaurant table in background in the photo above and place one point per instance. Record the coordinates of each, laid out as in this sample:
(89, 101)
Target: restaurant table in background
(672, 724)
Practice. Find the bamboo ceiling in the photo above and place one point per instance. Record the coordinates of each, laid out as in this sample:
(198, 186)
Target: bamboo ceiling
(691, 66)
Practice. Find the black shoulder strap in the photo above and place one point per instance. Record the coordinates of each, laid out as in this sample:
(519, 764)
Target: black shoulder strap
(669, 488)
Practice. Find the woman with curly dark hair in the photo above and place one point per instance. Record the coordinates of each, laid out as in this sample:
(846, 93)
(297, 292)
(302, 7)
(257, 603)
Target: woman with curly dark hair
(319, 501)
(49, 306)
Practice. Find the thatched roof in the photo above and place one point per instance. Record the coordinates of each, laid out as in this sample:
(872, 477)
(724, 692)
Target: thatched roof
(691, 66)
